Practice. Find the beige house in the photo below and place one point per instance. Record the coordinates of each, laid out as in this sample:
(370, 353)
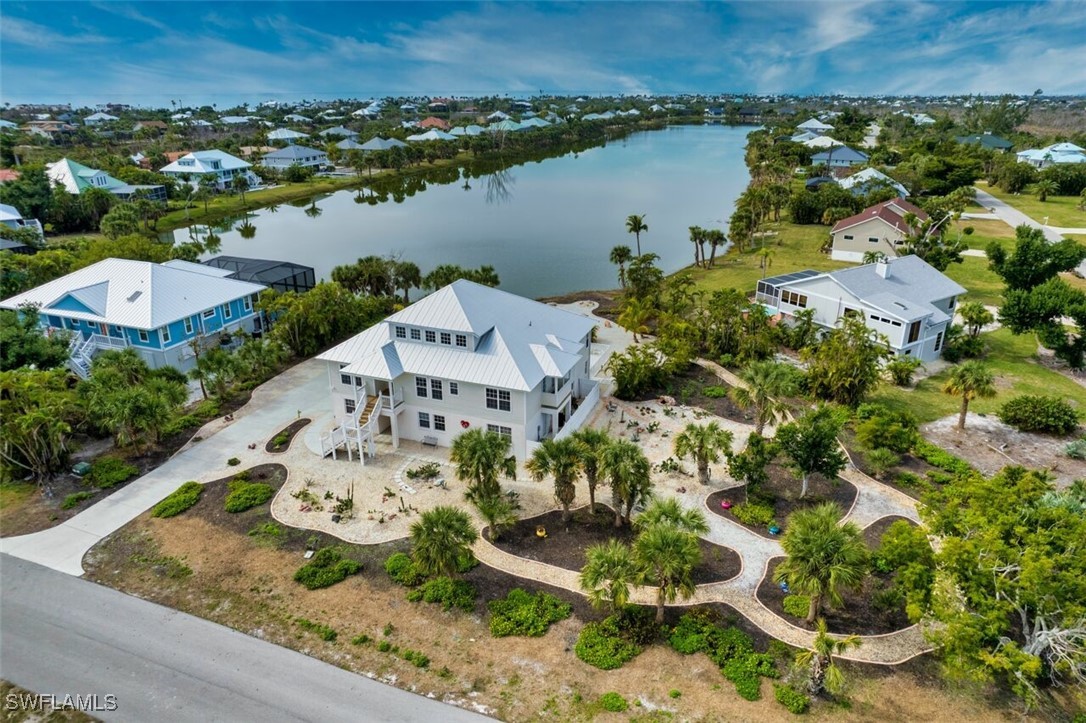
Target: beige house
(881, 228)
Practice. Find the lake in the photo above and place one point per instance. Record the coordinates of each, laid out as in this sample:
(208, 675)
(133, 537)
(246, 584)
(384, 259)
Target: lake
(547, 227)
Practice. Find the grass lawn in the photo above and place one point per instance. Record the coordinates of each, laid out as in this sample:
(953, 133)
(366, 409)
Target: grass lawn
(983, 284)
(1060, 210)
(794, 248)
(1010, 358)
(13, 494)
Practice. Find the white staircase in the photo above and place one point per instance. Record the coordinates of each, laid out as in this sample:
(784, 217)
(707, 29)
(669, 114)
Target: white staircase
(356, 432)
(79, 355)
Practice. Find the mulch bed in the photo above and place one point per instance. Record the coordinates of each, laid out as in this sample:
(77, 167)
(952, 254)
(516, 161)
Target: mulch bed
(688, 387)
(565, 544)
(295, 427)
(784, 488)
(857, 615)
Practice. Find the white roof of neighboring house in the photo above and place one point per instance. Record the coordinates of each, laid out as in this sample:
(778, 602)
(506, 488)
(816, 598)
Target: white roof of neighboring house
(75, 177)
(202, 162)
(872, 176)
(814, 125)
(821, 142)
(295, 153)
(135, 294)
(432, 135)
(198, 268)
(100, 117)
(285, 134)
(520, 341)
(236, 120)
(9, 213)
(294, 117)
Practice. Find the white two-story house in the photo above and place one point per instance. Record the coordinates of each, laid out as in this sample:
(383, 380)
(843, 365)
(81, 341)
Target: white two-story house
(904, 299)
(467, 356)
(223, 166)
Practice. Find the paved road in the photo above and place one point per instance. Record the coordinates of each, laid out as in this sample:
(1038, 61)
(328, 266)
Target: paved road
(62, 635)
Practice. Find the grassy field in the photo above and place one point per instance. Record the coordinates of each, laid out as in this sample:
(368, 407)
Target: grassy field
(1060, 210)
(983, 284)
(1017, 372)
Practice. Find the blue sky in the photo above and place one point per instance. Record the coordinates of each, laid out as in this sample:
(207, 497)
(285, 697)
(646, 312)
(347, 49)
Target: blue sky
(147, 53)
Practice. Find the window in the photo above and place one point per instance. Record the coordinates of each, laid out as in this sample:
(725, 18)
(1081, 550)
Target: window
(498, 399)
(359, 381)
(435, 389)
(208, 313)
(348, 405)
(142, 335)
(431, 337)
(227, 312)
(424, 420)
(247, 303)
(914, 332)
(420, 386)
(791, 297)
(345, 379)
(416, 334)
(462, 340)
(188, 325)
(439, 423)
(401, 332)
(165, 335)
(848, 237)
(852, 313)
(872, 239)
(454, 388)
(446, 338)
(939, 341)
(506, 432)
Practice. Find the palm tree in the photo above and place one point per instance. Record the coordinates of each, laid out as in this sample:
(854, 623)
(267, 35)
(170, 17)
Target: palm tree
(766, 382)
(670, 512)
(590, 443)
(765, 259)
(635, 224)
(697, 237)
(1045, 187)
(824, 673)
(635, 316)
(667, 556)
(608, 573)
(480, 457)
(440, 538)
(561, 459)
(406, 276)
(703, 442)
(969, 380)
(620, 256)
(499, 513)
(824, 557)
(241, 185)
(716, 238)
(627, 470)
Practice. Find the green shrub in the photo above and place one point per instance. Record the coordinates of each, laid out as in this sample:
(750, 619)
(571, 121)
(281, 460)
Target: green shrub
(892, 430)
(180, 424)
(207, 409)
(754, 514)
(280, 439)
(325, 569)
(326, 633)
(791, 699)
(246, 495)
(673, 693)
(902, 370)
(360, 639)
(268, 533)
(613, 702)
(938, 457)
(446, 591)
(74, 499)
(729, 643)
(715, 392)
(466, 563)
(179, 500)
(881, 460)
(693, 633)
(797, 605)
(522, 613)
(414, 656)
(233, 461)
(403, 570)
(747, 671)
(1048, 415)
(384, 646)
(912, 481)
(601, 645)
(637, 624)
(1076, 449)
(109, 472)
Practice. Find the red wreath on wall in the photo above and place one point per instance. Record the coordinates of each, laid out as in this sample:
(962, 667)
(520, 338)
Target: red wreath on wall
(465, 423)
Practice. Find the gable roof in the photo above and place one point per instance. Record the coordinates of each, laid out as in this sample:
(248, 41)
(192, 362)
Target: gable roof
(986, 140)
(134, 294)
(519, 341)
(75, 177)
(202, 162)
(814, 124)
(285, 134)
(872, 176)
(891, 212)
(294, 153)
(433, 122)
(841, 153)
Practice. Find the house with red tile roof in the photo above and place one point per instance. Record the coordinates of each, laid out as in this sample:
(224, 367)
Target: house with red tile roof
(432, 122)
(881, 228)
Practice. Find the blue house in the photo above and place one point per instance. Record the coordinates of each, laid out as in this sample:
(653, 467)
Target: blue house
(159, 310)
(839, 157)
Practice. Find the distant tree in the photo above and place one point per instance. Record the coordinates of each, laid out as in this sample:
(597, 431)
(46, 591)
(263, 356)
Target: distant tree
(122, 220)
(1034, 260)
(975, 316)
(969, 380)
(240, 184)
(667, 556)
(635, 316)
(636, 225)
(670, 512)
(22, 343)
(445, 274)
(750, 465)
(37, 409)
(644, 279)
(811, 444)
(498, 511)
(620, 256)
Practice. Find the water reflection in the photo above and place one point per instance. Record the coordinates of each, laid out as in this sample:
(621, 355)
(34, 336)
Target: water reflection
(499, 186)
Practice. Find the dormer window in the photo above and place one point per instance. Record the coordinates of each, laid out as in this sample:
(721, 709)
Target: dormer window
(446, 338)
(401, 332)
(431, 337)
(462, 341)
(416, 335)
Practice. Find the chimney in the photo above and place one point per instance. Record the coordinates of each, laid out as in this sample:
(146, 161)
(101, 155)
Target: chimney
(882, 268)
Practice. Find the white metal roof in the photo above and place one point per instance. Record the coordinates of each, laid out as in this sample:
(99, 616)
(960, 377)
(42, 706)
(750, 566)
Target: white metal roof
(198, 268)
(519, 341)
(9, 213)
(202, 162)
(134, 294)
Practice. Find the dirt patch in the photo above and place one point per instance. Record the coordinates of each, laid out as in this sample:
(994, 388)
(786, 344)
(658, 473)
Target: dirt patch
(990, 445)
(565, 543)
(688, 388)
(783, 489)
(607, 301)
(286, 436)
(859, 613)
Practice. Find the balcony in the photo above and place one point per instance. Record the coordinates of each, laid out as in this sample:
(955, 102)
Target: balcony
(555, 399)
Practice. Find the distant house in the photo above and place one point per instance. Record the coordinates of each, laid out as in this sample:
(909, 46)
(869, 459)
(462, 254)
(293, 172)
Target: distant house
(749, 114)
(10, 217)
(1052, 155)
(285, 134)
(99, 118)
(922, 119)
(8, 174)
(904, 299)
(77, 178)
(497, 116)
(465, 357)
(839, 157)
(295, 118)
(815, 126)
(438, 105)
(150, 125)
(236, 120)
(714, 112)
(51, 129)
(432, 122)
(881, 228)
(338, 132)
(220, 164)
(156, 309)
(6, 125)
(295, 156)
(822, 142)
(864, 182)
(986, 140)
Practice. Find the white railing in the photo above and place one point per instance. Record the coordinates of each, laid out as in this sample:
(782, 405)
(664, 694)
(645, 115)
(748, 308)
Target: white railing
(584, 411)
(103, 341)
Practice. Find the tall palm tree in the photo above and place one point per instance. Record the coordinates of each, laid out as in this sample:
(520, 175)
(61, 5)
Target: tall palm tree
(480, 458)
(440, 538)
(766, 383)
(969, 380)
(670, 512)
(627, 470)
(704, 443)
(765, 259)
(406, 276)
(635, 224)
(590, 443)
(635, 315)
(716, 238)
(824, 558)
(561, 459)
(697, 237)
(609, 571)
(241, 185)
(824, 673)
(1045, 188)
(620, 256)
(667, 556)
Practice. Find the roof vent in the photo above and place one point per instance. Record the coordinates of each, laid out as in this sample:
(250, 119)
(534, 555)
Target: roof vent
(899, 304)
(135, 295)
